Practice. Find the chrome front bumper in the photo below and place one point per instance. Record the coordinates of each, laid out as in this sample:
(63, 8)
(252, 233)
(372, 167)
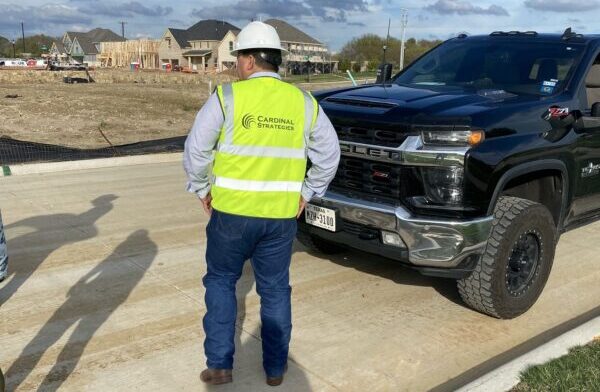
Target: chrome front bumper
(439, 243)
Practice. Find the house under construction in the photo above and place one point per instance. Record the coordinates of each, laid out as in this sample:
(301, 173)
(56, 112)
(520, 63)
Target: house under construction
(123, 54)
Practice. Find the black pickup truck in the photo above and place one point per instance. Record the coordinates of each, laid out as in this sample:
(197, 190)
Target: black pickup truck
(469, 164)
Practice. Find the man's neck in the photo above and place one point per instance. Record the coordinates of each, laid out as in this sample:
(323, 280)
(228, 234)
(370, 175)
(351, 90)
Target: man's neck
(257, 72)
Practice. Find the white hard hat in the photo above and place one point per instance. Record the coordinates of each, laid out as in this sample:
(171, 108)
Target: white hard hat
(257, 35)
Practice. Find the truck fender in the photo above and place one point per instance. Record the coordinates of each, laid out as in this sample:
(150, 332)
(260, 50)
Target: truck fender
(529, 167)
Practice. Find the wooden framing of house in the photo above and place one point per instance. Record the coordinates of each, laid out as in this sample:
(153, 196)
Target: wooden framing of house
(122, 54)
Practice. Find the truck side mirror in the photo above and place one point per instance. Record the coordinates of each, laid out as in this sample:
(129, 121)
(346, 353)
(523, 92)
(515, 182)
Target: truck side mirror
(596, 109)
(384, 73)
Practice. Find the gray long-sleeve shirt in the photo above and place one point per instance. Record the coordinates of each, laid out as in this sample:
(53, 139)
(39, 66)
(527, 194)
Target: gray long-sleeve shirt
(323, 149)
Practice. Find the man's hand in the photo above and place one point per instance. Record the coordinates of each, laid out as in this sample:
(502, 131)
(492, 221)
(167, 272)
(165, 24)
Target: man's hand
(206, 204)
(301, 206)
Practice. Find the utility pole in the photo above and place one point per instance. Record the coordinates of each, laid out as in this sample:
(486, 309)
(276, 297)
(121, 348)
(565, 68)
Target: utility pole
(123, 28)
(23, 32)
(403, 22)
(14, 52)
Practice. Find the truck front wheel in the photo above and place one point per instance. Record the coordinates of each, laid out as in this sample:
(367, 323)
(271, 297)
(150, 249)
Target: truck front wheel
(515, 266)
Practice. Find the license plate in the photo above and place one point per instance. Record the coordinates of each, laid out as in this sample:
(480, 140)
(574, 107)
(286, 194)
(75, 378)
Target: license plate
(320, 217)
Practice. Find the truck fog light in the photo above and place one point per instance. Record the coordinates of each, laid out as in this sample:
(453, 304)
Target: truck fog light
(391, 238)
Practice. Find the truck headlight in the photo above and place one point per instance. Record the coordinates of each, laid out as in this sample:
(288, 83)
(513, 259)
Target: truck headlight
(443, 185)
(453, 138)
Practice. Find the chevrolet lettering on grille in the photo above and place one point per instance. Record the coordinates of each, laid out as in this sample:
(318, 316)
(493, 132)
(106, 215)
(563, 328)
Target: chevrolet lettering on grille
(383, 154)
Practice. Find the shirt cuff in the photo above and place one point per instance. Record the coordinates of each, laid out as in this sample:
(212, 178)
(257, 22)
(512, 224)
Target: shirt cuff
(203, 192)
(307, 193)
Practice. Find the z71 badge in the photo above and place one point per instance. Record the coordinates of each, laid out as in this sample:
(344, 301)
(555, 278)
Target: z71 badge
(590, 170)
(558, 112)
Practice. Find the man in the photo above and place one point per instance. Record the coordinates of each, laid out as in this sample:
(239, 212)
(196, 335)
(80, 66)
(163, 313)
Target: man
(3, 253)
(263, 130)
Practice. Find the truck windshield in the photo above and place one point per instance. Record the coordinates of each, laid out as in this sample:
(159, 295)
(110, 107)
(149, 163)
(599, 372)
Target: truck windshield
(518, 67)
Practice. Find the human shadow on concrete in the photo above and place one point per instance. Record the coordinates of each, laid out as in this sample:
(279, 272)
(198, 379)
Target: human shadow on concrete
(387, 269)
(248, 372)
(90, 302)
(28, 251)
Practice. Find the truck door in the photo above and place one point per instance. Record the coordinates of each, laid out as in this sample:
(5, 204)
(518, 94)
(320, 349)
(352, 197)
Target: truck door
(587, 155)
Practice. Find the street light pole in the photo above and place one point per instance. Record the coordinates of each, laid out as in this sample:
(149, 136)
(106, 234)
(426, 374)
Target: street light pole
(404, 22)
(13, 44)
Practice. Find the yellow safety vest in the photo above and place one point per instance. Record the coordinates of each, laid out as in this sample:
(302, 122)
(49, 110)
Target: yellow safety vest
(260, 163)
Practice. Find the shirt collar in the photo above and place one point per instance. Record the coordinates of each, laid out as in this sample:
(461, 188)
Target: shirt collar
(265, 74)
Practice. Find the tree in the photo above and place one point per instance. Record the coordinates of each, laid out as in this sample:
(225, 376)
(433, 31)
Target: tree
(5, 47)
(344, 65)
(33, 45)
(369, 47)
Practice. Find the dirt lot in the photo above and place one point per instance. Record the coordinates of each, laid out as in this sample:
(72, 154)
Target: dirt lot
(126, 107)
(73, 115)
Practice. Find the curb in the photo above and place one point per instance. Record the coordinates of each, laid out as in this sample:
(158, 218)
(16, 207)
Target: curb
(51, 167)
(507, 376)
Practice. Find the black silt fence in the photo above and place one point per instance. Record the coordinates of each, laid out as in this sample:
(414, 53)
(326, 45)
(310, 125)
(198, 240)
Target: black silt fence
(14, 151)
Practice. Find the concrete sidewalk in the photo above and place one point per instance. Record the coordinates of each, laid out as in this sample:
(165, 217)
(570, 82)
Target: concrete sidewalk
(105, 294)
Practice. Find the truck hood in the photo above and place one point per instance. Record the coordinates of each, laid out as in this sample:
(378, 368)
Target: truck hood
(401, 104)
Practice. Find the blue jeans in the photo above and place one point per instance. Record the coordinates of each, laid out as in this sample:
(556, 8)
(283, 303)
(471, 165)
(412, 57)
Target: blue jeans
(3, 252)
(267, 243)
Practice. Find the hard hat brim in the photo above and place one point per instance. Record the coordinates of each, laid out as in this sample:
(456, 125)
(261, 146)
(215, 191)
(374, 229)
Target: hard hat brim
(235, 52)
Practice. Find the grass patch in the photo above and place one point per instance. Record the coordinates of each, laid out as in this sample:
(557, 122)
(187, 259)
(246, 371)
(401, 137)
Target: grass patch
(578, 371)
(336, 77)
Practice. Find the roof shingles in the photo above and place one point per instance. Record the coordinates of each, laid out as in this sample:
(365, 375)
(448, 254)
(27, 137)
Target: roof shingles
(88, 40)
(289, 33)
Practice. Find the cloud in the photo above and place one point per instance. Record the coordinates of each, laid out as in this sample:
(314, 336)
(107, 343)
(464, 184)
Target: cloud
(326, 10)
(125, 10)
(143, 36)
(336, 10)
(47, 16)
(563, 5)
(176, 22)
(464, 8)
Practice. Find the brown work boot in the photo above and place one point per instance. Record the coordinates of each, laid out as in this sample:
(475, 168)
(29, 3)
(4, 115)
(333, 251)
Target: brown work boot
(216, 376)
(276, 381)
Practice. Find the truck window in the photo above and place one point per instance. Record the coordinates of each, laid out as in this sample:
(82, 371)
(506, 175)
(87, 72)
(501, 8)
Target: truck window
(592, 83)
(520, 67)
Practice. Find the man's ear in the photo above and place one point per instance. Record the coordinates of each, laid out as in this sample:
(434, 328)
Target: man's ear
(251, 63)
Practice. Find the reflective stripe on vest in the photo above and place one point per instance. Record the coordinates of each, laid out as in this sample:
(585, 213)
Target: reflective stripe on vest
(258, 186)
(261, 156)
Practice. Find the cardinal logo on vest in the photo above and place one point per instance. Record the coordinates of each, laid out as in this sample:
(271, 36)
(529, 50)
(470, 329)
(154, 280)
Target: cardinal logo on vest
(248, 121)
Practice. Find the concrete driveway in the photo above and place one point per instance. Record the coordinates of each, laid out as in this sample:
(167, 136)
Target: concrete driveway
(105, 294)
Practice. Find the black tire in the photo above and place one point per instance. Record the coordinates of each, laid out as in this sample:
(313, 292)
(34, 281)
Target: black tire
(521, 230)
(318, 244)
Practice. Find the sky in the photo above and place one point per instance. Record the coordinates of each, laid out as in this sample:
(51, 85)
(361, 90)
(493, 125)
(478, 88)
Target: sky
(333, 22)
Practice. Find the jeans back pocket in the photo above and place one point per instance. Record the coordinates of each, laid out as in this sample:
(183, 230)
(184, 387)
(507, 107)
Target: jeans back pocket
(230, 226)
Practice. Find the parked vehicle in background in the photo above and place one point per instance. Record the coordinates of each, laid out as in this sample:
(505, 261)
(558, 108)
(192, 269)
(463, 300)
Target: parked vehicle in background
(13, 63)
(469, 164)
(24, 64)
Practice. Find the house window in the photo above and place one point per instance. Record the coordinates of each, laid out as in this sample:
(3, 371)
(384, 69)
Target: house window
(168, 42)
(230, 46)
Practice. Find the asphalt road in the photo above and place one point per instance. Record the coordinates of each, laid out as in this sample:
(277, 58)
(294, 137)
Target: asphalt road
(105, 294)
